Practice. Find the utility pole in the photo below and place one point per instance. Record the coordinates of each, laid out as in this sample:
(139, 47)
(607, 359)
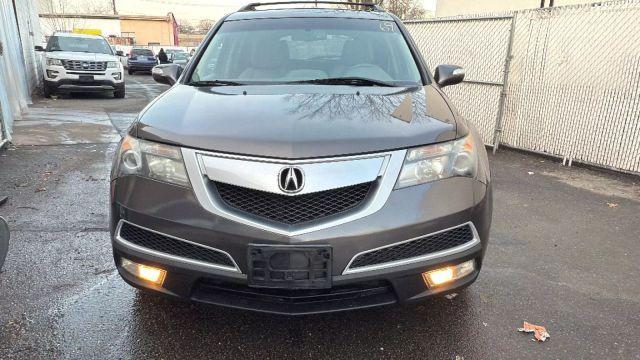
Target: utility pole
(113, 6)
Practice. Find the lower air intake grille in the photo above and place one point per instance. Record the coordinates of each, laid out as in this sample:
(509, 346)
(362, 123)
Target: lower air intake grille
(415, 248)
(293, 209)
(170, 246)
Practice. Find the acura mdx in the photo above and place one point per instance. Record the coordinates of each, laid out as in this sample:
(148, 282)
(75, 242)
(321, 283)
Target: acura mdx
(304, 161)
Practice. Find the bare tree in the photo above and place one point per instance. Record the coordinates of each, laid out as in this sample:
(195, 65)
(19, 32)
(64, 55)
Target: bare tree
(404, 9)
(205, 25)
(186, 28)
(61, 15)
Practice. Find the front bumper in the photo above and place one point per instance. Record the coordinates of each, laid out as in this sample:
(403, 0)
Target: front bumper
(408, 213)
(68, 85)
(141, 66)
(70, 81)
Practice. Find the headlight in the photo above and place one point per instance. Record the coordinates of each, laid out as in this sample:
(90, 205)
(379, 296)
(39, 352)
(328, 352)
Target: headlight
(51, 61)
(150, 160)
(439, 161)
(112, 64)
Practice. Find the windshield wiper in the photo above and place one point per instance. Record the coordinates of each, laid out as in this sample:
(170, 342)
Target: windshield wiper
(214, 83)
(353, 81)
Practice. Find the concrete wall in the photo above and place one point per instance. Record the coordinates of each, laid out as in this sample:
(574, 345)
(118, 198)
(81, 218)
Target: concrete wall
(464, 7)
(149, 31)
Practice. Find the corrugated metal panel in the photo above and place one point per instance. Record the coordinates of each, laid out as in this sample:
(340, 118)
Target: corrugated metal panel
(30, 35)
(19, 67)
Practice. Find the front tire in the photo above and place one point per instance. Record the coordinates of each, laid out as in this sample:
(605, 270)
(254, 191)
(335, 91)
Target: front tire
(119, 94)
(130, 72)
(47, 91)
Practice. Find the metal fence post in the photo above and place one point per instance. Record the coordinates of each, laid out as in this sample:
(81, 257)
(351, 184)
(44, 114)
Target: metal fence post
(505, 83)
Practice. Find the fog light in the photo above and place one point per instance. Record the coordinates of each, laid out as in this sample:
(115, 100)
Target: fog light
(144, 272)
(448, 274)
(52, 74)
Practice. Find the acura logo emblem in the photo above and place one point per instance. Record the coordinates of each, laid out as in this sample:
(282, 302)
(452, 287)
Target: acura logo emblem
(291, 179)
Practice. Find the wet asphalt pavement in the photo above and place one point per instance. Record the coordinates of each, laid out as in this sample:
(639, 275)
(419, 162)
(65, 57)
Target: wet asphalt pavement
(563, 254)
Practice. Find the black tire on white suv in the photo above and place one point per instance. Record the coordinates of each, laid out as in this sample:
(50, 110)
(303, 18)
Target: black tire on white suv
(119, 93)
(46, 90)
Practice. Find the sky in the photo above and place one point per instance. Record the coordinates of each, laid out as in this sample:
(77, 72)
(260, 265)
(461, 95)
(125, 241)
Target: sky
(193, 10)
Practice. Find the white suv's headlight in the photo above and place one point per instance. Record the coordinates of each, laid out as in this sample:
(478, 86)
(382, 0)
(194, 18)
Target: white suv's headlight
(52, 61)
(150, 160)
(112, 64)
(439, 161)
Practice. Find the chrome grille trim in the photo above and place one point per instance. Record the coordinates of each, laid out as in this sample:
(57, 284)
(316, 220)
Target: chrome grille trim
(128, 244)
(262, 175)
(476, 240)
(386, 178)
(77, 65)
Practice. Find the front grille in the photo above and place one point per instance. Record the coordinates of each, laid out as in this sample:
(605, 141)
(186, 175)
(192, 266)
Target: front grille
(293, 210)
(415, 248)
(78, 65)
(170, 246)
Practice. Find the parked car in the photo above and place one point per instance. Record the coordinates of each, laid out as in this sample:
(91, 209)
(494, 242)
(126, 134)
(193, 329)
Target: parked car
(81, 63)
(179, 58)
(141, 59)
(173, 51)
(305, 161)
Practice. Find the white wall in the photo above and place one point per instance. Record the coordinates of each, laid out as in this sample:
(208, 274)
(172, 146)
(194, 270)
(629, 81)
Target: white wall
(19, 67)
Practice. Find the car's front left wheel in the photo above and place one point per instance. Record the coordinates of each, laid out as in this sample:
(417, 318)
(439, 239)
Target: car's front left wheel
(47, 91)
(119, 94)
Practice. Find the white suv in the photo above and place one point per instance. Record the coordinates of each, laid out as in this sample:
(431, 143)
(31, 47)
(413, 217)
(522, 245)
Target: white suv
(81, 63)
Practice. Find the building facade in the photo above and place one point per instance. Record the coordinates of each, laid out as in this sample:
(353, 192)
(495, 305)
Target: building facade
(118, 29)
(150, 30)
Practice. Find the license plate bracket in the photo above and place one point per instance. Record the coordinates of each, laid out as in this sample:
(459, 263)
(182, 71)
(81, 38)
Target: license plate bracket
(86, 78)
(290, 267)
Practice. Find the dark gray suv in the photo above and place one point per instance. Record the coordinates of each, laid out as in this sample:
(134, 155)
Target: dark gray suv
(304, 161)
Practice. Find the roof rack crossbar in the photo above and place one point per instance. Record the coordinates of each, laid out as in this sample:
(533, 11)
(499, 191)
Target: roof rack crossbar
(253, 6)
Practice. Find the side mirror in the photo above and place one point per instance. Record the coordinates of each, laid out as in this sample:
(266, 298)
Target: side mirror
(446, 75)
(166, 73)
(39, 48)
(119, 53)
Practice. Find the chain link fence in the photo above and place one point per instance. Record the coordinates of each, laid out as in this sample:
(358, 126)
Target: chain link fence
(569, 78)
(479, 44)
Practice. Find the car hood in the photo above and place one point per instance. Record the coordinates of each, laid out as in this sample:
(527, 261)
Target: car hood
(72, 55)
(299, 121)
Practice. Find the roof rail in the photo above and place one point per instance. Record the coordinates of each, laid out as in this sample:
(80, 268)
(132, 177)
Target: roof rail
(253, 6)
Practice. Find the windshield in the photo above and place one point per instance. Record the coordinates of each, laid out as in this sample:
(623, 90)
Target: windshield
(293, 50)
(79, 44)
